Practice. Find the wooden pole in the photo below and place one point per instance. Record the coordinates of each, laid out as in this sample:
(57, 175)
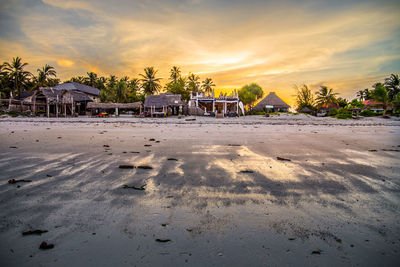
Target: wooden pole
(34, 105)
(48, 108)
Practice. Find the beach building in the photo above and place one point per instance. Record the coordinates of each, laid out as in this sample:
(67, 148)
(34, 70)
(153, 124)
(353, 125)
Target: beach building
(273, 103)
(224, 105)
(325, 108)
(55, 102)
(306, 110)
(68, 99)
(375, 106)
(96, 108)
(164, 104)
(91, 92)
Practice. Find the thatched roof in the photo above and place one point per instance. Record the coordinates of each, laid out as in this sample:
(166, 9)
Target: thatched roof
(306, 110)
(73, 86)
(271, 100)
(76, 96)
(51, 94)
(24, 94)
(163, 100)
(93, 105)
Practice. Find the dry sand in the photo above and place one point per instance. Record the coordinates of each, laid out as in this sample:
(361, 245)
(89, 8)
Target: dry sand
(225, 200)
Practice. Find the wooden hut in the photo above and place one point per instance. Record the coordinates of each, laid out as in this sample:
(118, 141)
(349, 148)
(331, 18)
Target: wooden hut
(91, 92)
(164, 104)
(306, 110)
(114, 108)
(273, 101)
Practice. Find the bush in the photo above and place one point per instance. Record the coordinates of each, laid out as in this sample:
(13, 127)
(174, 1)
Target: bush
(332, 112)
(13, 113)
(255, 112)
(368, 113)
(343, 114)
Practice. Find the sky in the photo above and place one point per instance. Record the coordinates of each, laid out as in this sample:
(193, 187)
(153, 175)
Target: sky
(345, 45)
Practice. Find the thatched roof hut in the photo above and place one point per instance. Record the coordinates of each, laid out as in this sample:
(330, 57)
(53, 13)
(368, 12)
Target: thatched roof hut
(163, 100)
(74, 86)
(306, 110)
(272, 100)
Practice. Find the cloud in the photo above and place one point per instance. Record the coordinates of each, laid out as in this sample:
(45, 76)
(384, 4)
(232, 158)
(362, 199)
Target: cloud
(65, 63)
(276, 44)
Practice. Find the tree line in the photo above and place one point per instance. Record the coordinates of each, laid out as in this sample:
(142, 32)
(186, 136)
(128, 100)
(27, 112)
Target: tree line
(14, 79)
(387, 93)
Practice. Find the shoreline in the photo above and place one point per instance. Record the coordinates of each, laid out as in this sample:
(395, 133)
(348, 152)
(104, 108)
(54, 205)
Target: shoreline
(286, 119)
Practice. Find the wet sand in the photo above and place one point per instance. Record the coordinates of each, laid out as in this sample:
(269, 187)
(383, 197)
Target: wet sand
(216, 190)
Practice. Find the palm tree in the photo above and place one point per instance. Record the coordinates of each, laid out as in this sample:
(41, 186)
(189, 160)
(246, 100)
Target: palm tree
(133, 89)
(3, 82)
(207, 85)
(15, 72)
(91, 79)
(121, 91)
(361, 94)
(175, 74)
(125, 79)
(101, 82)
(367, 94)
(392, 85)
(193, 83)
(325, 96)
(150, 83)
(134, 85)
(44, 73)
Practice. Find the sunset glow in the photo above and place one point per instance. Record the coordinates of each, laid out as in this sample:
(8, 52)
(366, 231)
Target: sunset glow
(277, 44)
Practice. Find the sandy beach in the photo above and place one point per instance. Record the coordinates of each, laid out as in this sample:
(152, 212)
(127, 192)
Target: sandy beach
(216, 193)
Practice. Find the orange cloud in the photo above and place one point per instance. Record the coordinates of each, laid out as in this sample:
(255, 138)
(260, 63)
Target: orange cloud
(65, 63)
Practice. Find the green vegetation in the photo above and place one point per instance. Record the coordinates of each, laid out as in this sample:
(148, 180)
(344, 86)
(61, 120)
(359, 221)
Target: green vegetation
(184, 86)
(368, 113)
(385, 95)
(380, 94)
(14, 79)
(304, 98)
(250, 93)
(325, 95)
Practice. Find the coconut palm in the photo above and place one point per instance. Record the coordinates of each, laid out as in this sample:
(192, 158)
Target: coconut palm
(150, 83)
(121, 91)
(325, 95)
(133, 90)
(193, 82)
(16, 73)
(91, 79)
(207, 85)
(392, 85)
(4, 88)
(43, 75)
(175, 74)
(361, 94)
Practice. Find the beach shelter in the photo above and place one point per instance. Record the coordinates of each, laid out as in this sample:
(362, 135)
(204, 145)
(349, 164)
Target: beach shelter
(272, 100)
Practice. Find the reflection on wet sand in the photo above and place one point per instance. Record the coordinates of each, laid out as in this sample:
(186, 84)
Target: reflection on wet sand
(211, 199)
